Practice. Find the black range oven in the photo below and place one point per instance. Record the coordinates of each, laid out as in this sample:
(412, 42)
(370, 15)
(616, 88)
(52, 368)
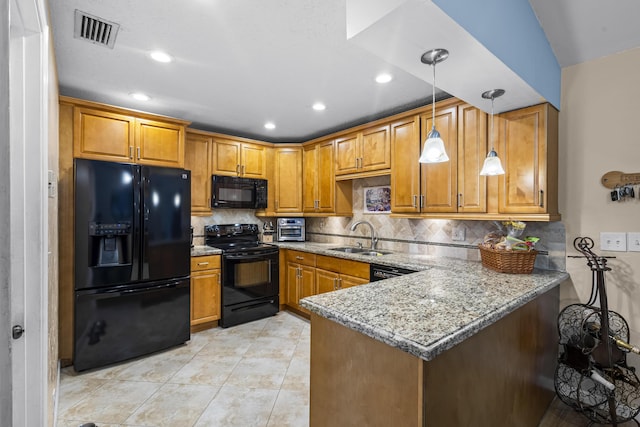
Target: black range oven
(250, 273)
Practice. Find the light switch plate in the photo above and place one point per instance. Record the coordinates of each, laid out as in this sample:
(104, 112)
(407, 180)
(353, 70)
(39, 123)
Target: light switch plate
(633, 242)
(616, 242)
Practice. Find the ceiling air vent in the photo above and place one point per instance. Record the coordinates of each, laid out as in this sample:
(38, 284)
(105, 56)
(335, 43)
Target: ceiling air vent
(95, 30)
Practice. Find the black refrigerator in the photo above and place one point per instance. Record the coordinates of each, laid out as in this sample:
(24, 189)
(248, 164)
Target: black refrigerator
(132, 260)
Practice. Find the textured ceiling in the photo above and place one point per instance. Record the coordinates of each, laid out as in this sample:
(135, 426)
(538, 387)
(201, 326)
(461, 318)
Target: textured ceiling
(241, 63)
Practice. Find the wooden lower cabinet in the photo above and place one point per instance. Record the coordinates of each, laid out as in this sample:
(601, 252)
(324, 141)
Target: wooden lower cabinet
(309, 274)
(205, 292)
(501, 376)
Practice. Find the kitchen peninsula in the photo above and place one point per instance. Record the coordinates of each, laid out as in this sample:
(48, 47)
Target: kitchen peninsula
(455, 344)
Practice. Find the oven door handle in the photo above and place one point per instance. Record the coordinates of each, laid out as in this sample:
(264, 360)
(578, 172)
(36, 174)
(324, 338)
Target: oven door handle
(252, 256)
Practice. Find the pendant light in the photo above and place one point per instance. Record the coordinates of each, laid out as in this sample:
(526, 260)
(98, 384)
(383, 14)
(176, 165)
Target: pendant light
(492, 165)
(433, 151)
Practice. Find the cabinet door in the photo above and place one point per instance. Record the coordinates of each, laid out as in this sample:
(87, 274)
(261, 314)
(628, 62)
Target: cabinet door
(349, 281)
(292, 284)
(103, 136)
(347, 154)
(226, 157)
(405, 169)
(205, 296)
(375, 152)
(159, 143)
(326, 178)
(307, 282)
(438, 180)
(326, 281)
(523, 150)
(253, 161)
(472, 150)
(198, 160)
(310, 180)
(288, 180)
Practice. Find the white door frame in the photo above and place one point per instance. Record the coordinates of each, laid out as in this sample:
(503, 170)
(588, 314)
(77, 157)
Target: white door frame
(28, 242)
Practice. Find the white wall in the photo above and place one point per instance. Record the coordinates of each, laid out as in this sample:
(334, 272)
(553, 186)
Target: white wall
(5, 340)
(599, 133)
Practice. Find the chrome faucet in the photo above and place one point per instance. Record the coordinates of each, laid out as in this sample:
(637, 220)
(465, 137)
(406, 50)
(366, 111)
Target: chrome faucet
(374, 239)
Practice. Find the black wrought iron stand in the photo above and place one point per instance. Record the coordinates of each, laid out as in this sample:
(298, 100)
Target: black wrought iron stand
(592, 374)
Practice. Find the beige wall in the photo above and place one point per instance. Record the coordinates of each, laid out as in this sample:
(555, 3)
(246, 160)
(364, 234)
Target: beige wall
(599, 123)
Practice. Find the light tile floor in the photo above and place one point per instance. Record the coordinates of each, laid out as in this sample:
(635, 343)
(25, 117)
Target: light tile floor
(256, 374)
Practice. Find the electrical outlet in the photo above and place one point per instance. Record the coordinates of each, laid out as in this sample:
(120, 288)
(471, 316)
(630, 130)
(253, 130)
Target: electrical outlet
(458, 234)
(613, 242)
(633, 242)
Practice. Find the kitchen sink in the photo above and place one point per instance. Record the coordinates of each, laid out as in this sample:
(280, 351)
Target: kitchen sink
(360, 251)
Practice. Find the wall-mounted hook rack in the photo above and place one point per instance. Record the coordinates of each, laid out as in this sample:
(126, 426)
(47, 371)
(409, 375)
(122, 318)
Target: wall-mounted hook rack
(615, 179)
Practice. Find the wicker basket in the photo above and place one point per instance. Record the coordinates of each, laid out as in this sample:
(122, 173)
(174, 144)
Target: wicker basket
(502, 261)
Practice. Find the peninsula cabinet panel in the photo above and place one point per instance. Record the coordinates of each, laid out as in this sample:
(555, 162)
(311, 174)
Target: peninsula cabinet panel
(198, 160)
(439, 180)
(405, 169)
(529, 151)
(102, 135)
(288, 180)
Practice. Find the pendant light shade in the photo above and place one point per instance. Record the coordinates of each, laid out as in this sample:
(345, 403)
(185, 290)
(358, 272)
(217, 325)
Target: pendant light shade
(433, 150)
(492, 165)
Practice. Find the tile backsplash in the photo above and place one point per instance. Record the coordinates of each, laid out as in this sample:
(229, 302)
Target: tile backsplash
(427, 236)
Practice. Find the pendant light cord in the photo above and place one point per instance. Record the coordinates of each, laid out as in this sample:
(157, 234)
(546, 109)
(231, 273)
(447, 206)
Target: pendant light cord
(433, 98)
(492, 147)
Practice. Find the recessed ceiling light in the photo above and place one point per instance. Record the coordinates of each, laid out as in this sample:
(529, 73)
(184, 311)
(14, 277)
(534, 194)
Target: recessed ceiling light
(319, 106)
(270, 125)
(383, 78)
(140, 96)
(161, 56)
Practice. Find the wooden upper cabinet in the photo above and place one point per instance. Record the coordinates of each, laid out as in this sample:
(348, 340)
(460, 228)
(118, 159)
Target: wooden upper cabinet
(103, 135)
(326, 178)
(347, 154)
(405, 169)
(309, 180)
(529, 152)
(288, 180)
(102, 132)
(236, 158)
(198, 160)
(159, 144)
(253, 161)
(364, 153)
(319, 181)
(439, 180)
(472, 150)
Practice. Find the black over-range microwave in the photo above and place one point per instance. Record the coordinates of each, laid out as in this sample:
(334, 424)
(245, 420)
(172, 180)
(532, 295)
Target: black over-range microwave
(238, 193)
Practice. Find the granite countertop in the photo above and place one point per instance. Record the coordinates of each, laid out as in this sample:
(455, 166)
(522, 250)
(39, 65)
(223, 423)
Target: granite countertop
(427, 312)
(409, 261)
(201, 250)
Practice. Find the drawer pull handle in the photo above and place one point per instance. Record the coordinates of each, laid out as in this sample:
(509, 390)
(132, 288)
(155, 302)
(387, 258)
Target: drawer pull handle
(299, 257)
(203, 263)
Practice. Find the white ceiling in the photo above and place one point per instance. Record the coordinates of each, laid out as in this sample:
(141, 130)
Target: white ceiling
(241, 63)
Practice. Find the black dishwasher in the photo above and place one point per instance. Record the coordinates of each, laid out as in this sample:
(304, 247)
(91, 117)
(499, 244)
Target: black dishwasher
(381, 272)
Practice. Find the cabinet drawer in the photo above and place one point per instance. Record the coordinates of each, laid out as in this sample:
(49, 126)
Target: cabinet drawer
(343, 266)
(303, 258)
(206, 262)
